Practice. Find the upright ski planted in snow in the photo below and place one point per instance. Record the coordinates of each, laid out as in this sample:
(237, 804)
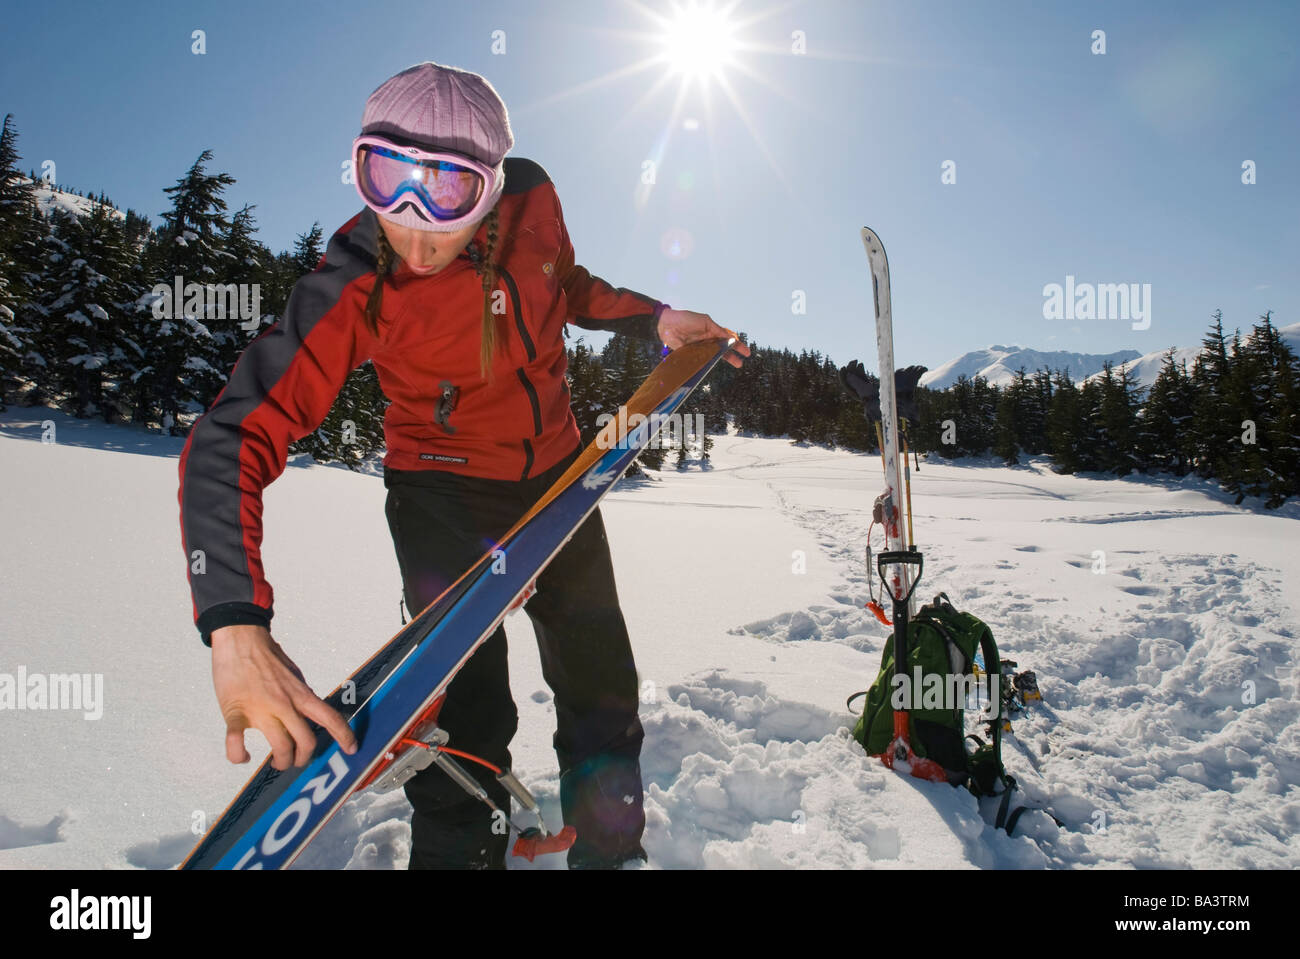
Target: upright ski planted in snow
(900, 565)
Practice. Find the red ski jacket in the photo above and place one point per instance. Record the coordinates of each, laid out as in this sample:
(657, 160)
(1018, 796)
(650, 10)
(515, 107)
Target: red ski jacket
(442, 414)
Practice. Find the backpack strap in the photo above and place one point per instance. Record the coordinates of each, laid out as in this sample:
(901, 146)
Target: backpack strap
(993, 668)
(1003, 806)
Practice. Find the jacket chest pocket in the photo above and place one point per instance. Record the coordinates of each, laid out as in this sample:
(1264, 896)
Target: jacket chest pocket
(530, 274)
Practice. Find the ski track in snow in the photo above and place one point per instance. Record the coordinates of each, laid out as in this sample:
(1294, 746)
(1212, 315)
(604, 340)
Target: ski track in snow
(1148, 745)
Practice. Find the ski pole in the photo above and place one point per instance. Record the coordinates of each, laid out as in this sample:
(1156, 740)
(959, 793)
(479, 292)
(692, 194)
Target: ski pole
(907, 486)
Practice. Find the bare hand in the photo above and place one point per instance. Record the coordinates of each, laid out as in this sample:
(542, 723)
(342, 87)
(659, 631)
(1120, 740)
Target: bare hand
(679, 327)
(258, 686)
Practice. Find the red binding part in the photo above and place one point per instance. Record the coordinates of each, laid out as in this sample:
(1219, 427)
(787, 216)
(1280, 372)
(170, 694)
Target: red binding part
(530, 843)
(879, 612)
(530, 846)
(407, 740)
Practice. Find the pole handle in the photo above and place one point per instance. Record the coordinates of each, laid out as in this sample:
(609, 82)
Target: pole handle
(900, 557)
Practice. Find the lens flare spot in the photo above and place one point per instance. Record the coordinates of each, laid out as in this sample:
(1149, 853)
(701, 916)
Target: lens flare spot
(676, 244)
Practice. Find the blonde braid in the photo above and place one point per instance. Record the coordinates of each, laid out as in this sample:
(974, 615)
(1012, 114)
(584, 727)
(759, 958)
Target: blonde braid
(383, 266)
(488, 271)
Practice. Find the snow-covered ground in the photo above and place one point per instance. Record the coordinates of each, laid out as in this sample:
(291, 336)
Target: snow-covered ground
(1168, 735)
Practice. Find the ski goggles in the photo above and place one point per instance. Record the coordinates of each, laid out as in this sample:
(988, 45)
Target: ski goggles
(446, 188)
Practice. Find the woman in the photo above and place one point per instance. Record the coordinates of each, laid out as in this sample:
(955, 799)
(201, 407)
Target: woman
(454, 239)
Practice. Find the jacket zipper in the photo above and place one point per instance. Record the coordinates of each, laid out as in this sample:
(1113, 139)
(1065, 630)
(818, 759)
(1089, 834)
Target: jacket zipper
(531, 350)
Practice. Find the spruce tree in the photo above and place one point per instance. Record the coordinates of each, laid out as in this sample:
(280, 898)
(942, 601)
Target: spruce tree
(1253, 380)
(1238, 462)
(1163, 426)
(246, 263)
(83, 307)
(936, 408)
(1009, 420)
(627, 362)
(1283, 431)
(975, 415)
(1092, 453)
(1262, 384)
(798, 401)
(1038, 400)
(1115, 421)
(23, 233)
(852, 431)
(1065, 424)
(587, 391)
(308, 249)
(1212, 427)
(184, 354)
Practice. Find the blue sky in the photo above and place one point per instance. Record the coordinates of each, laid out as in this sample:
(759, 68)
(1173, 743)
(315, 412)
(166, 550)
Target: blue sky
(1117, 168)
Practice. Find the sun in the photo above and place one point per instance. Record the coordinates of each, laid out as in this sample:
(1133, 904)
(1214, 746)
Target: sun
(699, 42)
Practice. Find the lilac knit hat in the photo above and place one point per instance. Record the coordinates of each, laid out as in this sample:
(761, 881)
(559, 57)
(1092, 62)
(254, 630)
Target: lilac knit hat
(442, 108)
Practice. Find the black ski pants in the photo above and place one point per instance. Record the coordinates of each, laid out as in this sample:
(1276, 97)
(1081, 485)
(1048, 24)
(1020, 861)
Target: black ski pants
(442, 524)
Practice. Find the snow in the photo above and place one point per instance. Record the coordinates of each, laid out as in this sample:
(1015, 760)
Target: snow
(198, 363)
(1169, 733)
(48, 199)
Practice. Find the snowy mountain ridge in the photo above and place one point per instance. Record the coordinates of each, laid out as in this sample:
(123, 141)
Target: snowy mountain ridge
(998, 364)
(1144, 370)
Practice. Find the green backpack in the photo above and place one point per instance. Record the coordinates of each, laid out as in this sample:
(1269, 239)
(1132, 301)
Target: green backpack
(941, 644)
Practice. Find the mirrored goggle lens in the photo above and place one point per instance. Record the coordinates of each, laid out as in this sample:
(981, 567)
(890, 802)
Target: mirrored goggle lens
(445, 189)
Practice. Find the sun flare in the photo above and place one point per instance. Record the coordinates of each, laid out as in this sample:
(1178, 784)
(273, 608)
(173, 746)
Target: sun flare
(699, 42)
